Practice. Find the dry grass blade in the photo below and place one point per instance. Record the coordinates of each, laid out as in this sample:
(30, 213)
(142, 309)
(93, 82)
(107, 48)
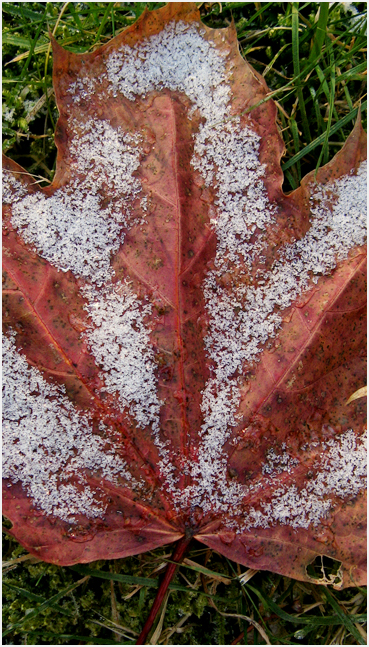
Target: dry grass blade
(205, 571)
(114, 609)
(23, 558)
(362, 633)
(156, 635)
(246, 577)
(132, 593)
(117, 630)
(38, 50)
(38, 105)
(178, 628)
(248, 619)
(54, 32)
(360, 393)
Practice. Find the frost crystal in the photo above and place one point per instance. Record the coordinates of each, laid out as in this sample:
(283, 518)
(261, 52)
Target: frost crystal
(278, 463)
(71, 229)
(108, 157)
(48, 444)
(340, 473)
(120, 344)
(178, 58)
(12, 189)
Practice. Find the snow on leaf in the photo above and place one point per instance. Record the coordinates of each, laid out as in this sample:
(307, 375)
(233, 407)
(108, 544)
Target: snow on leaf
(39, 452)
(180, 336)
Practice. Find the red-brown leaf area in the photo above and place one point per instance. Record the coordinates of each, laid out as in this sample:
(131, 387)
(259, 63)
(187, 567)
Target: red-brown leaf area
(180, 336)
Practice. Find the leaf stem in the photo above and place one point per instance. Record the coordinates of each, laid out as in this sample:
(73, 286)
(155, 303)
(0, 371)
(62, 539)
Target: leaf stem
(170, 570)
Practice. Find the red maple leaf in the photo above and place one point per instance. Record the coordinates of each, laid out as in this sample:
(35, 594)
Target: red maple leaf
(181, 337)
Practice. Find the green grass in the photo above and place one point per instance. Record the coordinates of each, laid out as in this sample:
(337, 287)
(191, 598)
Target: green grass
(210, 601)
(313, 59)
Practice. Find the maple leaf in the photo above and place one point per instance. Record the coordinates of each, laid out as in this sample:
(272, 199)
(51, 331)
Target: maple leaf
(181, 338)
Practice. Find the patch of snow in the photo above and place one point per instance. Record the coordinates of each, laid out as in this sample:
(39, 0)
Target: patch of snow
(244, 317)
(12, 189)
(72, 229)
(178, 58)
(341, 472)
(82, 89)
(49, 445)
(108, 158)
(278, 463)
(120, 343)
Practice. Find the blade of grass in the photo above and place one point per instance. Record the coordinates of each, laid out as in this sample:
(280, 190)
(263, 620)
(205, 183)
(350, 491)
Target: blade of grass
(318, 115)
(23, 558)
(112, 21)
(323, 83)
(114, 629)
(64, 7)
(131, 579)
(344, 617)
(320, 32)
(18, 41)
(260, 11)
(351, 116)
(347, 56)
(307, 620)
(360, 393)
(103, 22)
(33, 45)
(45, 605)
(355, 71)
(35, 598)
(295, 135)
(271, 64)
(324, 152)
(159, 627)
(75, 15)
(250, 620)
(284, 88)
(328, 91)
(14, 9)
(114, 625)
(116, 577)
(296, 69)
(246, 594)
(94, 12)
(291, 180)
(193, 566)
(300, 634)
(72, 40)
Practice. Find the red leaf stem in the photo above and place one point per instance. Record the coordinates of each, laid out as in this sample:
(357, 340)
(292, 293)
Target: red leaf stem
(176, 558)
